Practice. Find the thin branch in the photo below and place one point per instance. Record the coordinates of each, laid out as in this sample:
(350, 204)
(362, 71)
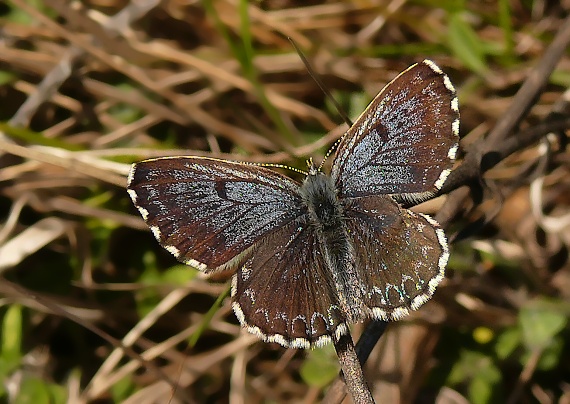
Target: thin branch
(473, 168)
(337, 392)
(352, 371)
(532, 87)
(522, 102)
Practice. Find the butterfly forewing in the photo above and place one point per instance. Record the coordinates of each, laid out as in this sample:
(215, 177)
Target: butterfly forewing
(400, 255)
(207, 211)
(405, 141)
(284, 293)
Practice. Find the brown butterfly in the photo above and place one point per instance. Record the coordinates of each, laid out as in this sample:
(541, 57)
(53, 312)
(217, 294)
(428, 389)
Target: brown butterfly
(313, 257)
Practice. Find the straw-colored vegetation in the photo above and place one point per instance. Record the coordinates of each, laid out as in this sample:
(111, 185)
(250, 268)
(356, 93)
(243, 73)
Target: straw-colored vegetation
(86, 88)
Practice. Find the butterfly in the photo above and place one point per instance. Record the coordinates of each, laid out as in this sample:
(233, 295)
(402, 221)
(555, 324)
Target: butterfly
(313, 257)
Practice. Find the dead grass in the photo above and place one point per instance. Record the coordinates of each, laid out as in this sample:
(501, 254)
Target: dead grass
(87, 88)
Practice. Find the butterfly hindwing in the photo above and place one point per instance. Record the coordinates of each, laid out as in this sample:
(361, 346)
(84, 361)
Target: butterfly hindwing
(400, 255)
(404, 143)
(207, 211)
(284, 293)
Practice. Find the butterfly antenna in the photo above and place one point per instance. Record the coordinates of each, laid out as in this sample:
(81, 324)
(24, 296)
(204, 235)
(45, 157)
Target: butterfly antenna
(320, 83)
(274, 165)
(327, 93)
(329, 152)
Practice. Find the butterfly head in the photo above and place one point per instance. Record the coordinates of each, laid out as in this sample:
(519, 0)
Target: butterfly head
(313, 168)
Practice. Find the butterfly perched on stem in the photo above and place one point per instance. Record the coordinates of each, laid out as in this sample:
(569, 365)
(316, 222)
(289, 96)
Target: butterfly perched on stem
(336, 249)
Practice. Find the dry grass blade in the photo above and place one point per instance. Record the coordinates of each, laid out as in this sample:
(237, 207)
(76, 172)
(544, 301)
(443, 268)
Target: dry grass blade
(32, 239)
(88, 88)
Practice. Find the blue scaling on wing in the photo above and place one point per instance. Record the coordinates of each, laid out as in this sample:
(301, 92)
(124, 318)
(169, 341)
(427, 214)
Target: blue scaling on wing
(405, 142)
(207, 211)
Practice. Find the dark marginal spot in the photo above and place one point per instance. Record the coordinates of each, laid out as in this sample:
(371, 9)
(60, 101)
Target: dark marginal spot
(221, 190)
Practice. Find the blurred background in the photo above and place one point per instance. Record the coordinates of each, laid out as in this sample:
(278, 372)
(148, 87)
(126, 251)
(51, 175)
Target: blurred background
(88, 87)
